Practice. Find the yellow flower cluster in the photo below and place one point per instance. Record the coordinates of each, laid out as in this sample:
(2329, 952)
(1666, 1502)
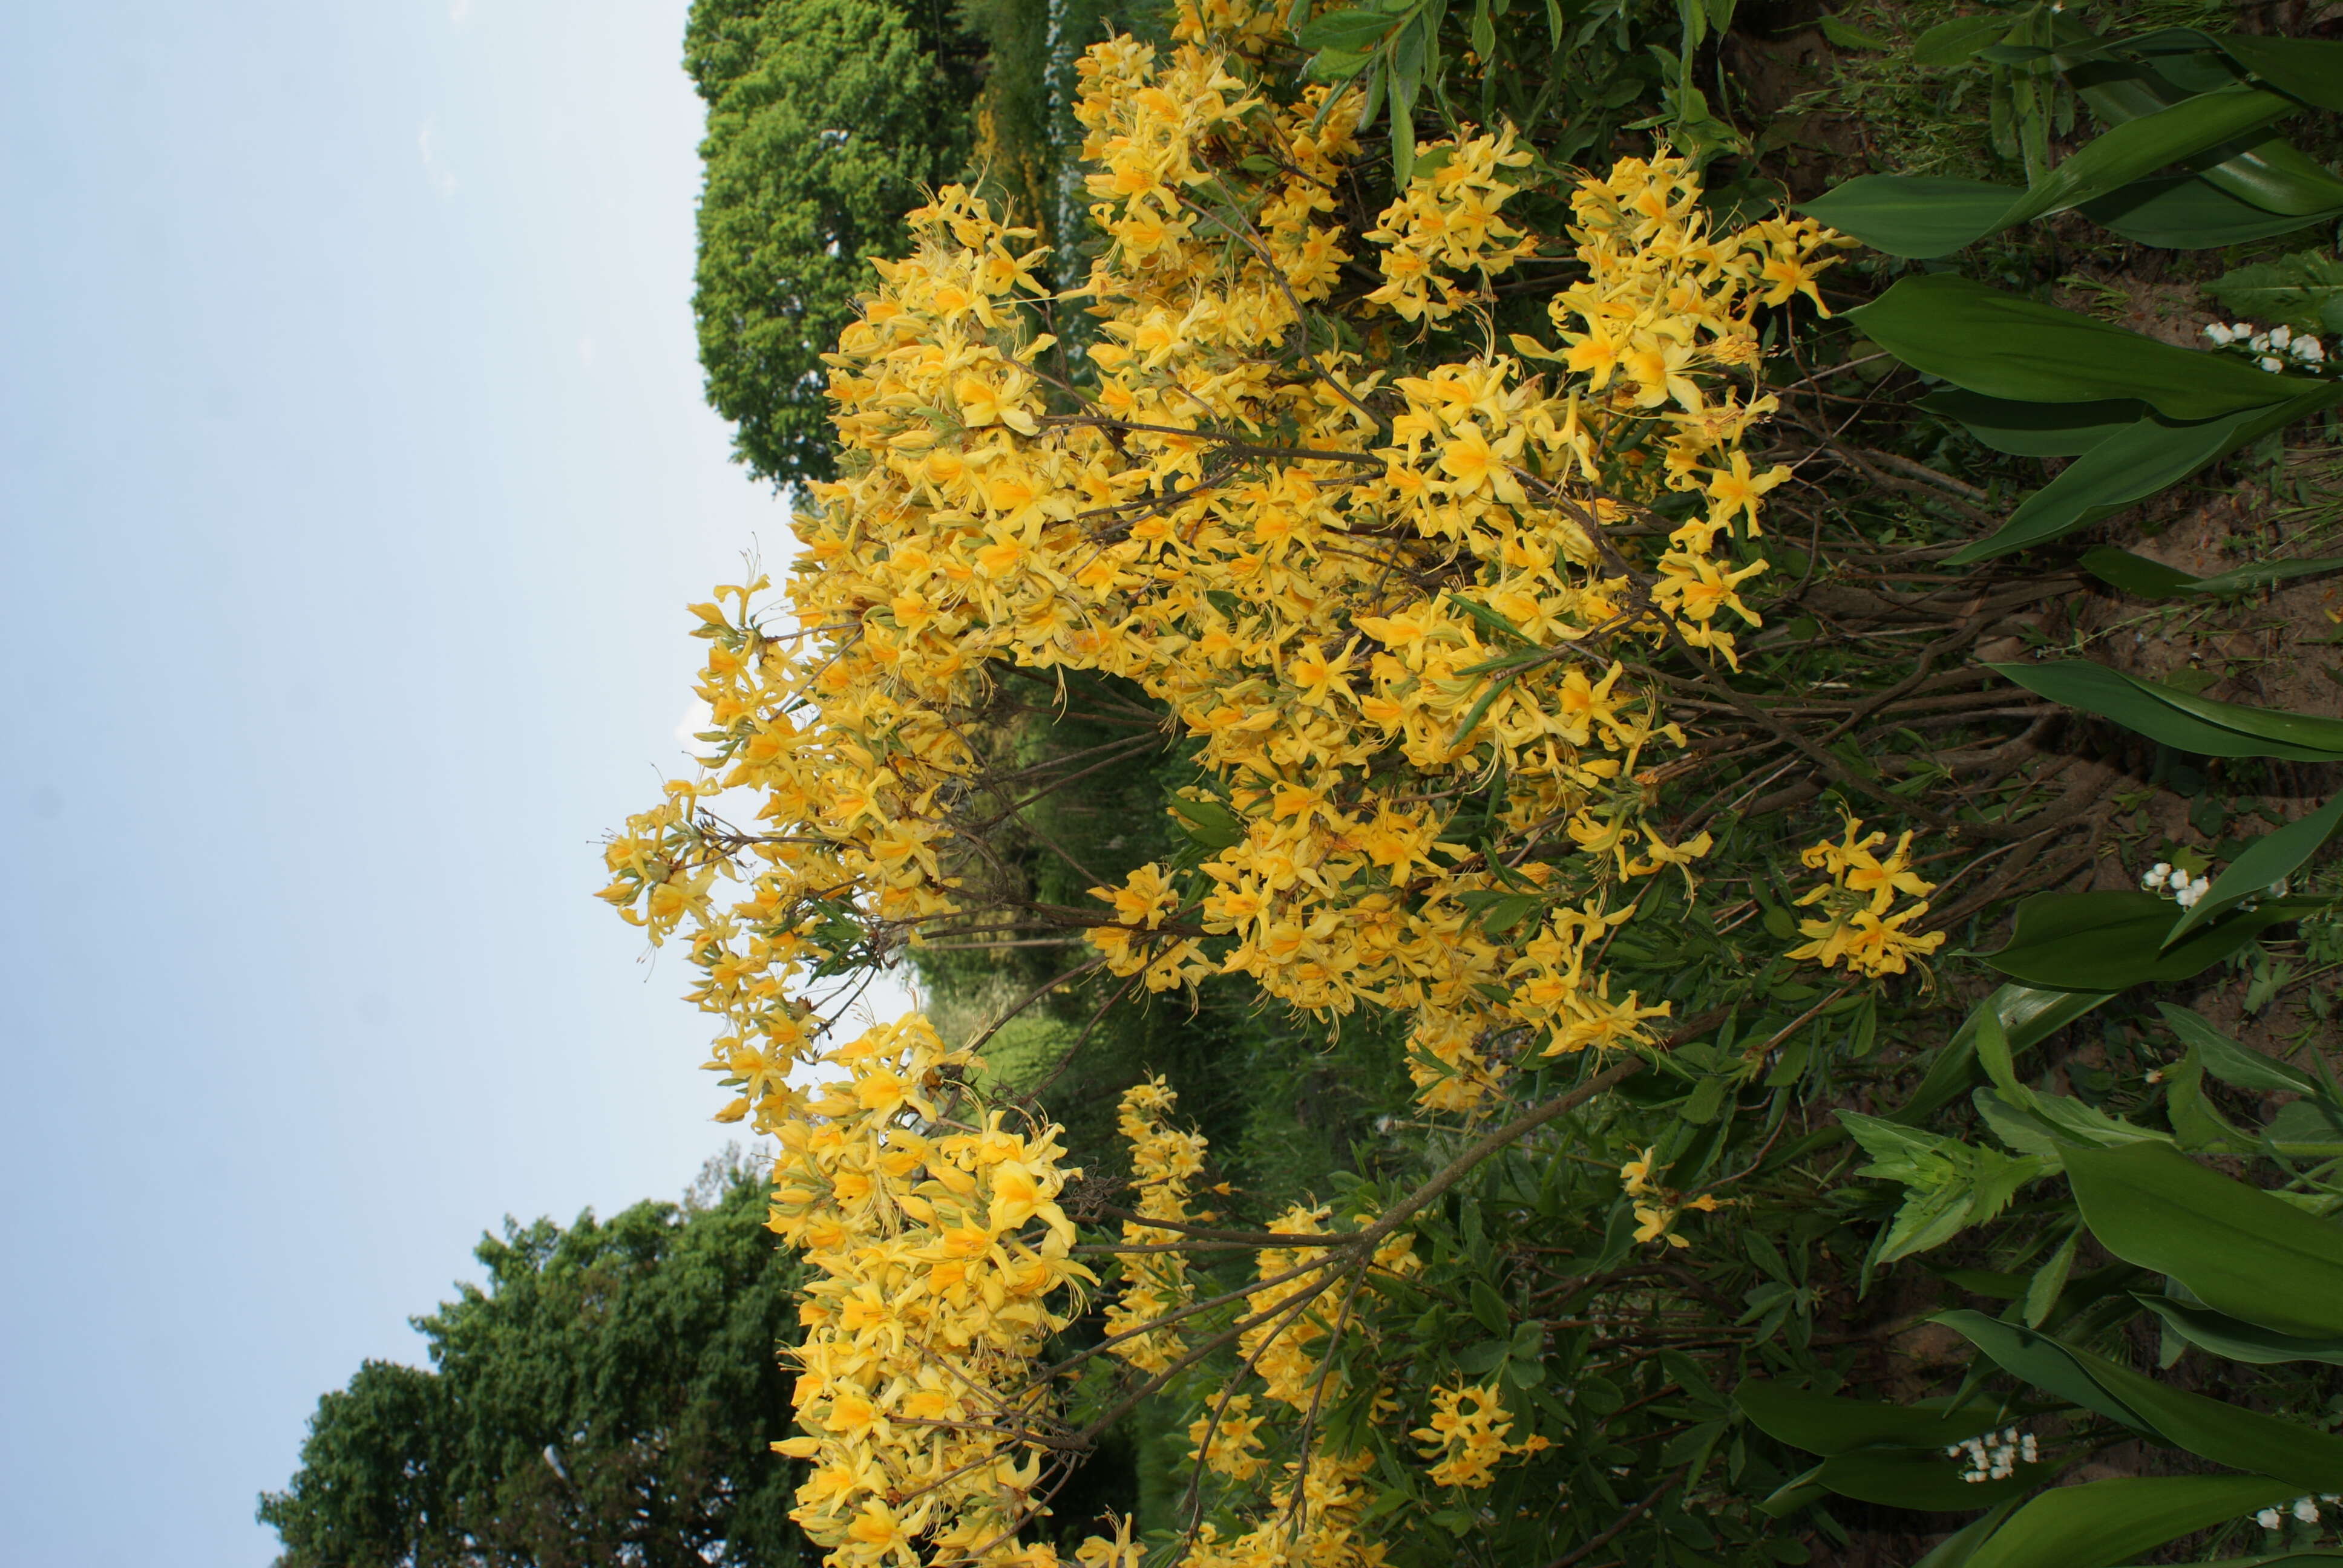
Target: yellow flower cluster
(1447, 221)
(942, 1263)
(1656, 1207)
(1164, 1162)
(1856, 928)
(1466, 1438)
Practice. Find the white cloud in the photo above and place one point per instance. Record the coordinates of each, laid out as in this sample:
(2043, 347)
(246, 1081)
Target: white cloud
(459, 11)
(442, 178)
(696, 718)
(586, 352)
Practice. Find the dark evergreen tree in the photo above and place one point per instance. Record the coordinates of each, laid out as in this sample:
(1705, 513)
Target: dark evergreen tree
(608, 1398)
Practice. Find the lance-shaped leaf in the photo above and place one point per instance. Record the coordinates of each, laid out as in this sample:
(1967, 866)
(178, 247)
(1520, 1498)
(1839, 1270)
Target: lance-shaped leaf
(2211, 1429)
(2035, 429)
(2232, 1063)
(2145, 578)
(2131, 464)
(2024, 1015)
(2240, 1250)
(2189, 212)
(2309, 68)
(1905, 216)
(1934, 1482)
(2102, 1522)
(2178, 719)
(1826, 1424)
(2106, 941)
(2003, 346)
(2261, 866)
(2239, 1340)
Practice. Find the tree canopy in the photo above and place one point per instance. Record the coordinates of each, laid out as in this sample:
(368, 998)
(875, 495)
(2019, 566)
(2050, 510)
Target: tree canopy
(610, 1396)
(827, 119)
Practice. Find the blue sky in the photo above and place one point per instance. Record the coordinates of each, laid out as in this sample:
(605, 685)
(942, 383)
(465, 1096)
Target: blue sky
(353, 476)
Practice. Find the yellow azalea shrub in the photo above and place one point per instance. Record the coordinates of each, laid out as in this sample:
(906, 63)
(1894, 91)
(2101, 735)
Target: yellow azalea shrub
(1856, 926)
(1363, 580)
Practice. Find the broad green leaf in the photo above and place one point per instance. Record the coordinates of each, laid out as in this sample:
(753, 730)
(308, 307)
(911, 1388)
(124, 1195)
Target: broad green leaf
(2004, 346)
(2041, 1360)
(2128, 467)
(2035, 429)
(2261, 865)
(2102, 1522)
(2028, 1015)
(2174, 718)
(2189, 212)
(2240, 1250)
(1952, 43)
(2197, 1127)
(2145, 578)
(1352, 31)
(2106, 941)
(2303, 291)
(2211, 1429)
(2306, 1129)
(1956, 1550)
(2123, 153)
(1930, 1482)
(2239, 1340)
(2305, 730)
(1912, 215)
(2273, 175)
(1824, 1424)
(2309, 68)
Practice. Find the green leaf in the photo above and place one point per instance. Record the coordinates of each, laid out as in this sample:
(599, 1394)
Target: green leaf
(1914, 216)
(2303, 291)
(2040, 1361)
(2035, 429)
(2178, 719)
(2026, 1016)
(1952, 1185)
(2240, 1250)
(2211, 1429)
(1826, 1424)
(2189, 212)
(2145, 578)
(2307, 1127)
(1952, 43)
(1354, 31)
(2128, 467)
(1930, 1482)
(2043, 1290)
(2309, 68)
(1846, 36)
(1208, 822)
(2003, 345)
(2108, 941)
(2262, 864)
(2101, 1522)
(1956, 1550)
(2137, 147)
(2239, 1340)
